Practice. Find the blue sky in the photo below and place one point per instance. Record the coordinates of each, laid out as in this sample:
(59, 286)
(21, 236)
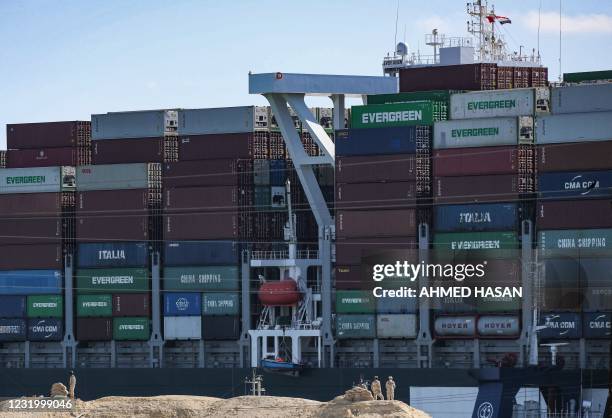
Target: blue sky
(64, 60)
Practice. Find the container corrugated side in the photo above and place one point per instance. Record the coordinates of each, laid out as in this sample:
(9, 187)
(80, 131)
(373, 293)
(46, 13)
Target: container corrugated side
(46, 134)
(216, 120)
(476, 161)
(94, 305)
(120, 280)
(455, 326)
(499, 326)
(28, 205)
(31, 180)
(581, 98)
(597, 325)
(138, 124)
(45, 306)
(355, 326)
(479, 217)
(560, 326)
(376, 141)
(193, 253)
(202, 226)
(113, 177)
(376, 223)
(574, 156)
(201, 278)
(30, 282)
(12, 306)
(132, 304)
(42, 157)
(476, 189)
(13, 329)
(574, 127)
(94, 329)
(222, 327)
(393, 114)
(218, 303)
(575, 242)
(476, 241)
(182, 304)
(575, 184)
(376, 168)
(355, 301)
(434, 95)
(574, 214)
(112, 254)
(396, 326)
(476, 133)
(595, 279)
(494, 103)
(562, 285)
(131, 329)
(182, 328)
(16, 257)
(45, 329)
(376, 195)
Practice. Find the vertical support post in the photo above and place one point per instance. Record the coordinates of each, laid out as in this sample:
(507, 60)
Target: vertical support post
(582, 360)
(68, 344)
(246, 307)
(339, 106)
(155, 342)
(201, 354)
(527, 284)
(325, 236)
(476, 354)
(296, 349)
(113, 353)
(26, 354)
(424, 340)
(375, 353)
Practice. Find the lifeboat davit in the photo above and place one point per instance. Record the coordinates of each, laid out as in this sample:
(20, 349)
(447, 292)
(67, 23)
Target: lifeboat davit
(279, 293)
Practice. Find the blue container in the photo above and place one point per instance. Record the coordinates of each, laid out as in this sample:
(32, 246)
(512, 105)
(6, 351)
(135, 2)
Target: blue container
(12, 306)
(12, 329)
(113, 254)
(182, 304)
(597, 325)
(561, 326)
(376, 141)
(479, 217)
(278, 172)
(575, 184)
(30, 282)
(201, 253)
(45, 329)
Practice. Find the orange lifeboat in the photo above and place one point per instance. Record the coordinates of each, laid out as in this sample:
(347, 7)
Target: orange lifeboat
(279, 293)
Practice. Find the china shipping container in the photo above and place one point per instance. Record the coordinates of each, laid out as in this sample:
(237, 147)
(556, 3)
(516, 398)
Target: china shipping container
(222, 120)
(112, 254)
(455, 326)
(574, 127)
(47, 134)
(396, 326)
(499, 103)
(31, 282)
(574, 214)
(355, 301)
(118, 176)
(201, 226)
(201, 278)
(484, 132)
(575, 156)
(455, 241)
(36, 180)
(479, 217)
(12, 306)
(215, 146)
(114, 280)
(94, 329)
(45, 329)
(376, 195)
(33, 256)
(499, 326)
(355, 326)
(131, 329)
(193, 253)
(137, 124)
(575, 242)
(94, 305)
(220, 172)
(482, 76)
(190, 200)
(41, 157)
(562, 285)
(124, 151)
(132, 304)
(583, 98)
(596, 325)
(476, 161)
(354, 250)
(182, 304)
(476, 189)
(226, 327)
(392, 115)
(182, 328)
(27, 205)
(376, 223)
(112, 228)
(30, 231)
(12, 329)
(582, 76)
(45, 306)
(595, 279)
(560, 326)
(376, 141)
(575, 184)
(221, 303)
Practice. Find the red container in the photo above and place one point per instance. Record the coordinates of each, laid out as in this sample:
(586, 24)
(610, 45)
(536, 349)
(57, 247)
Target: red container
(47, 134)
(31, 257)
(376, 195)
(30, 231)
(123, 151)
(476, 189)
(481, 76)
(132, 304)
(574, 214)
(375, 223)
(376, 168)
(504, 77)
(575, 156)
(112, 228)
(538, 77)
(101, 203)
(357, 250)
(94, 329)
(224, 172)
(199, 199)
(41, 157)
(31, 204)
(520, 77)
(475, 161)
(201, 226)
(210, 147)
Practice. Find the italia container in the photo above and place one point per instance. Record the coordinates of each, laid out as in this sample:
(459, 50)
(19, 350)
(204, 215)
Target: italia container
(202, 226)
(193, 253)
(112, 254)
(355, 301)
(376, 223)
(45, 306)
(36, 230)
(120, 280)
(391, 115)
(114, 176)
(221, 120)
(261, 172)
(30, 282)
(355, 326)
(125, 151)
(47, 134)
(45, 329)
(595, 279)
(376, 195)
(560, 326)
(476, 241)
(215, 146)
(481, 217)
(575, 242)
(575, 184)
(201, 278)
(574, 127)
(576, 214)
(226, 327)
(482, 132)
(35, 180)
(499, 326)
(563, 291)
(15, 257)
(376, 168)
(131, 329)
(220, 172)
(138, 124)
(575, 156)
(94, 305)
(597, 325)
(182, 328)
(218, 303)
(94, 329)
(396, 326)
(583, 98)
(13, 330)
(182, 304)
(380, 141)
(12, 306)
(498, 103)
(132, 304)
(42, 157)
(455, 326)
(476, 161)
(31, 205)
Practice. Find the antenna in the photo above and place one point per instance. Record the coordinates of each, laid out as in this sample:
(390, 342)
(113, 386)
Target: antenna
(539, 23)
(560, 14)
(396, 19)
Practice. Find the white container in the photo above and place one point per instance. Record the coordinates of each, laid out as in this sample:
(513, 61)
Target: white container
(574, 127)
(485, 132)
(502, 326)
(182, 328)
(36, 180)
(139, 124)
(499, 103)
(222, 120)
(581, 98)
(112, 177)
(396, 326)
(455, 326)
(278, 197)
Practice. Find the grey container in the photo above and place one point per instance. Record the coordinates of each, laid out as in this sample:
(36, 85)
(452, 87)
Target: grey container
(36, 180)
(221, 120)
(482, 132)
(139, 124)
(396, 326)
(581, 98)
(113, 177)
(499, 103)
(574, 127)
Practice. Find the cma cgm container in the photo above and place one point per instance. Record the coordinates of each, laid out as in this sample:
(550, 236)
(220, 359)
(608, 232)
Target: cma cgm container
(201, 226)
(455, 327)
(131, 329)
(376, 195)
(12, 329)
(45, 306)
(376, 223)
(221, 172)
(221, 303)
(182, 328)
(112, 254)
(47, 134)
(575, 156)
(560, 326)
(45, 329)
(380, 141)
(20, 231)
(584, 98)
(355, 326)
(575, 184)
(193, 253)
(138, 124)
(476, 189)
(575, 242)
(182, 304)
(124, 151)
(499, 103)
(396, 326)
(355, 301)
(222, 120)
(480, 217)
(376, 168)
(596, 325)
(499, 326)
(201, 278)
(47, 257)
(476, 241)
(12, 306)
(574, 214)
(392, 114)
(476, 161)
(94, 329)
(120, 280)
(482, 132)
(226, 327)
(132, 304)
(36, 180)
(31, 282)
(116, 176)
(574, 127)
(94, 305)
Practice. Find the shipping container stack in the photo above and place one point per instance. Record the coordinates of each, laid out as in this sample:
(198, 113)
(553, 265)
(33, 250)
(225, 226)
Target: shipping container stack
(574, 221)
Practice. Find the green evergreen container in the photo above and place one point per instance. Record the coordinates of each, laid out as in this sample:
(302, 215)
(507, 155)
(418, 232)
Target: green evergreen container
(355, 301)
(94, 305)
(122, 280)
(45, 306)
(221, 303)
(201, 278)
(458, 241)
(131, 329)
(394, 114)
(587, 76)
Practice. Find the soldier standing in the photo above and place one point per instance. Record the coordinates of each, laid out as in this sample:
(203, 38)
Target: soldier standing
(390, 385)
(71, 384)
(376, 389)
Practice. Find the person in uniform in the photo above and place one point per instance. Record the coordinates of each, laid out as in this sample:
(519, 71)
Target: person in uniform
(376, 389)
(71, 384)
(390, 385)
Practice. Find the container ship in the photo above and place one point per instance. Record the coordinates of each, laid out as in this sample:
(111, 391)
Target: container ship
(173, 250)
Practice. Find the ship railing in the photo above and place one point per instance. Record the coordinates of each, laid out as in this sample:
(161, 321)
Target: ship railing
(284, 254)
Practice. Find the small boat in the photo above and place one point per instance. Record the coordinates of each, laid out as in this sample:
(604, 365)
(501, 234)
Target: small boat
(279, 293)
(280, 365)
